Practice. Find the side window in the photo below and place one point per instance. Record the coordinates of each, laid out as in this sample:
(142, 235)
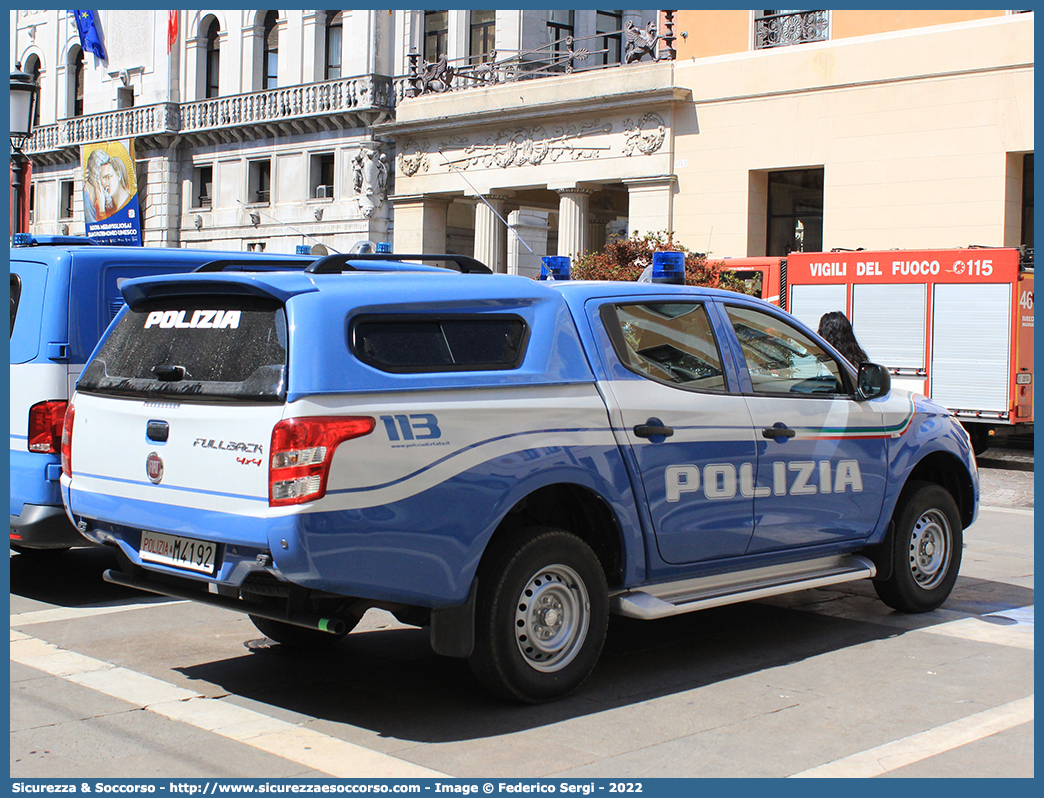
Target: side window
(16, 294)
(411, 344)
(670, 343)
(783, 360)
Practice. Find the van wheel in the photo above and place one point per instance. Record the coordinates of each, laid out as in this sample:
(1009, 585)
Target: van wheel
(541, 616)
(299, 636)
(926, 550)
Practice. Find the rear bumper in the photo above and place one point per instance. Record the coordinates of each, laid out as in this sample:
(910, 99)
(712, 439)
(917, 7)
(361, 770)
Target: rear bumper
(44, 527)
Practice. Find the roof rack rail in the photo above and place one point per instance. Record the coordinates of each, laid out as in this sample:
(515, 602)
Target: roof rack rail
(1026, 257)
(256, 264)
(335, 264)
(29, 240)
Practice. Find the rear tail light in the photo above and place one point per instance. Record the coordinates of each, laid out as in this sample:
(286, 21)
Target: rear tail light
(45, 427)
(67, 431)
(302, 449)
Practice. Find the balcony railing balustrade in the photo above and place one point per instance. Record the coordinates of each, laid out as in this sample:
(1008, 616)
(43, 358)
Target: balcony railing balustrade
(792, 27)
(561, 57)
(290, 104)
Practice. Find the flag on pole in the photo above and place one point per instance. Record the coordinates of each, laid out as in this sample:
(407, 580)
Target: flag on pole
(87, 28)
(172, 30)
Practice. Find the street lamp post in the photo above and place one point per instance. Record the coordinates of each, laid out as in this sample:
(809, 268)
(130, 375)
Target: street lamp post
(24, 91)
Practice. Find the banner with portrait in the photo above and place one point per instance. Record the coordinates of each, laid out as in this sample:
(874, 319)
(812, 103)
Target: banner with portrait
(110, 193)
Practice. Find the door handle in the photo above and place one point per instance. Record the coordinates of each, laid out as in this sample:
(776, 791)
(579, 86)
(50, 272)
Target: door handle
(778, 430)
(653, 427)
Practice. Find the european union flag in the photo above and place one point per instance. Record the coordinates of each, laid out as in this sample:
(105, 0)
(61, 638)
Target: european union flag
(87, 27)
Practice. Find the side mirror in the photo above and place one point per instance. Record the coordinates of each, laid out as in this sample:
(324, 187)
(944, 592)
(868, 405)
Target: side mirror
(873, 381)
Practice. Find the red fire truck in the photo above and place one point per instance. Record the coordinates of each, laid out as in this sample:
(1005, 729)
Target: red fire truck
(765, 277)
(955, 325)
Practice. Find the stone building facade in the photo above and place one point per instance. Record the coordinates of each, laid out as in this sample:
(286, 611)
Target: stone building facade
(746, 133)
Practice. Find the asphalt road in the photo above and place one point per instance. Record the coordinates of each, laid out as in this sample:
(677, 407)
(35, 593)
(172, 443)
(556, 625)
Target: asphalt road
(107, 682)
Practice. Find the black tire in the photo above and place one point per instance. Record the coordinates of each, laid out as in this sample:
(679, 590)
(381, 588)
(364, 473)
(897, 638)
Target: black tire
(293, 636)
(980, 441)
(541, 616)
(926, 549)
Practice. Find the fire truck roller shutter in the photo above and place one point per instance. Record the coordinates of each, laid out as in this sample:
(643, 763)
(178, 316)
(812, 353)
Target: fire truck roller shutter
(809, 302)
(971, 352)
(890, 322)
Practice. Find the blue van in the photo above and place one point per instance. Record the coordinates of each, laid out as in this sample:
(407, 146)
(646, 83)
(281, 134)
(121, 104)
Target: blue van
(64, 292)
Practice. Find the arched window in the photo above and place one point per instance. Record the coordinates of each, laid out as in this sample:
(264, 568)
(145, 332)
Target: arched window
(213, 62)
(32, 68)
(270, 58)
(75, 74)
(334, 28)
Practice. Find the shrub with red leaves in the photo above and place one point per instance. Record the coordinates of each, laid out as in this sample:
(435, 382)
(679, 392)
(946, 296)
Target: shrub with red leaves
(626, 258)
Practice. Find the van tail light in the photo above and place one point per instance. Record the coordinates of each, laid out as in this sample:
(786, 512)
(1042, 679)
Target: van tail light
(301, 451)
(67, 430)
(45, 427)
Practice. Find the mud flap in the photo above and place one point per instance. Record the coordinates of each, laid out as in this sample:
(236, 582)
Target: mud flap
(881, 555)
(453, 628)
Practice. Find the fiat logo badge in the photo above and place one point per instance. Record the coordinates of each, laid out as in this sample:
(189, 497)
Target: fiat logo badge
(154, 467)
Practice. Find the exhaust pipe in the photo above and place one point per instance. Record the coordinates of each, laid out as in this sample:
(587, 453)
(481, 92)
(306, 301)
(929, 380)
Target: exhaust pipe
(334, 626)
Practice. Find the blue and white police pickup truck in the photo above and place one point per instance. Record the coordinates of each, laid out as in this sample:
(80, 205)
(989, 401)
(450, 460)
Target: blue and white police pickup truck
(502, 460)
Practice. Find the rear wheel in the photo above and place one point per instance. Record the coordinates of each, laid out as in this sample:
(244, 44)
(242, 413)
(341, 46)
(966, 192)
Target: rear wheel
(541, 616)
(926, 550)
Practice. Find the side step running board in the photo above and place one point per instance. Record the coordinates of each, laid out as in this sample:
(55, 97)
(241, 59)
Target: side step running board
(674, 598)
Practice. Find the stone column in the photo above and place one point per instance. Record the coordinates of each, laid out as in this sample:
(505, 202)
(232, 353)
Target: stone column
(650, 204)
(596, 232)
(161, 218)
(531, 227)
(251, 76)
(490, 232)
(314, 25)
(572, 221)
(420, 223)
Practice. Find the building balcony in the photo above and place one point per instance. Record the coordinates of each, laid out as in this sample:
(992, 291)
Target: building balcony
(565, 56)
(334, 104)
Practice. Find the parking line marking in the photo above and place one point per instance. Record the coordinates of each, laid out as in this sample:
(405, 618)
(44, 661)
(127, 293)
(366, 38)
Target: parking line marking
(1005, 628)
(1012, 510)
(289, 741)
(73, 613)
(900, 753)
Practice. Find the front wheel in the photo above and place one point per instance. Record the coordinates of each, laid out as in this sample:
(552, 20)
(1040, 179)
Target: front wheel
(541, 617)
(926, 550)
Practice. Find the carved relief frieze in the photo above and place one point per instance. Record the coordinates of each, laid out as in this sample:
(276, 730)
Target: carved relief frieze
(413, 158)
(646, 136)
(531, 146)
